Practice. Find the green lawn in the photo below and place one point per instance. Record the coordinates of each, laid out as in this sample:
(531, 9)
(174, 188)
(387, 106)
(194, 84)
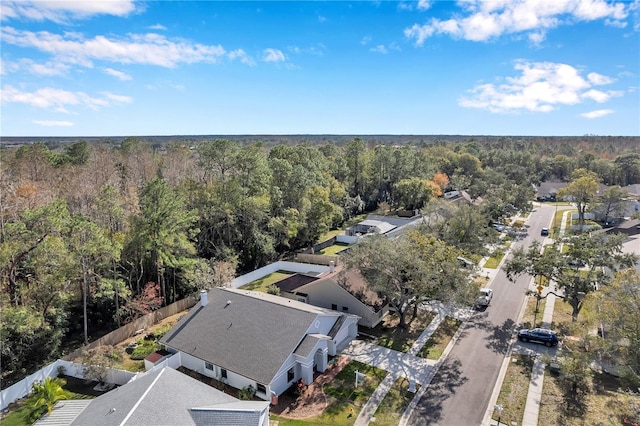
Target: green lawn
(20, 410)
(392, 337)
(334, 249)
(346, 401)
(496, 256)
(394, 403)
(528, 317)
(263, 283)
(437, 343)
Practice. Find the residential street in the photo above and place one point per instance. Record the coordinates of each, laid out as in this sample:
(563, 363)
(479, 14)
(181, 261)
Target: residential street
(460, 392)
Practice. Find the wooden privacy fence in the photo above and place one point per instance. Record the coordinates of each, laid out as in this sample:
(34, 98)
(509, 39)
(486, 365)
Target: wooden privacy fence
(135, 327)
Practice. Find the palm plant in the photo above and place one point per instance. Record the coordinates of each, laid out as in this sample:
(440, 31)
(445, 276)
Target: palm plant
(46, 394)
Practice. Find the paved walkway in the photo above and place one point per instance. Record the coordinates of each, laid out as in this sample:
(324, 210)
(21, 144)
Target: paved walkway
(534, 395)
(400, 364)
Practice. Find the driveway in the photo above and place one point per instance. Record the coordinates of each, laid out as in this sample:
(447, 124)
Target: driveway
(461, 389)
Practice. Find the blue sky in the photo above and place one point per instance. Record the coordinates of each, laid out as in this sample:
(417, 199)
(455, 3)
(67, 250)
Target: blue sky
(505, 67)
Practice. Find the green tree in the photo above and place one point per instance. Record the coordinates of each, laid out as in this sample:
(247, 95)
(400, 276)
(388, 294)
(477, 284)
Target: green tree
(46, 394)
(617, 308)
(578, 271)
(391, 268)
(162, 233)
(94, 253)
(581, 190)
(612, 203)
(414, 193)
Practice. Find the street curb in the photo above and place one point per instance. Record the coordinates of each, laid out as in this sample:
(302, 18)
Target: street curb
(503, 371)
(414, 402)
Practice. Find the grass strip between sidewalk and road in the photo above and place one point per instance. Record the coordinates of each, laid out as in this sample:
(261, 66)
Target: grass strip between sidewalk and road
(515, 387)
(437, 343)
(394, 403)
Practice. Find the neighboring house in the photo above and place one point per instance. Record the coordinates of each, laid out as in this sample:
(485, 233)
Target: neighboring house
(379, 224)
(246, 338)
(547, 191)
(370, 226)
(462, 196)
(343, 291)
(633, 190)
(160, 397)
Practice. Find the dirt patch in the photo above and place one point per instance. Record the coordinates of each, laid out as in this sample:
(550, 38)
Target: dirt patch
(314, 401)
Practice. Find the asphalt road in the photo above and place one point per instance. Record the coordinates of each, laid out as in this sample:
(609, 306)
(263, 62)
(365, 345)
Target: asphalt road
(459, 393)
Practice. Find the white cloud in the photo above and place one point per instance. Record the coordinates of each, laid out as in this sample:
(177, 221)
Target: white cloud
(158, 27)
(540, 87)
(599, 79)
(242, 56)
(53, 123)
(597, 113)
(424, 4)
(63, 11)
(316, 50)
(117, 98)
(322, 19)
(365, 40)
(379, 49)
(273, 55)
(151, 49)
(485, 20)
(58, 99)
(25, 64)
(118, 74)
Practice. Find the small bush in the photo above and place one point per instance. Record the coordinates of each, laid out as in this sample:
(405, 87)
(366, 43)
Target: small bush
(273, 289)
(246, 393)
(145, 348)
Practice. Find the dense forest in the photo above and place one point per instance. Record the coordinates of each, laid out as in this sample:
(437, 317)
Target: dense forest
(94, 233)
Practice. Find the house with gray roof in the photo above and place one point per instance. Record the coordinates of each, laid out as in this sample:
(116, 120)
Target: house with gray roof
(162, 396)
(246, 338)
(339, 290)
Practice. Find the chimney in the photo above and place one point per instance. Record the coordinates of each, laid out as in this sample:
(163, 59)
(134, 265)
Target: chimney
(203, 297)
(332, 266)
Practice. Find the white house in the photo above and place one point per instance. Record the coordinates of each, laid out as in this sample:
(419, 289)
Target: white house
(338, 290)
(246, 338)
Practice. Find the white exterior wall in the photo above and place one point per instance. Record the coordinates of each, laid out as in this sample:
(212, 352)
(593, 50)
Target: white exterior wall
(280, 384)
(277, 266)
(324, 293)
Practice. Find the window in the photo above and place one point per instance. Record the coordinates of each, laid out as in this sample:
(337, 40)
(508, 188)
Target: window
(261, 388)
(334, 306)
(302, 299)
(208, 366)
(345, 309)
(290, 375)
(223, 373)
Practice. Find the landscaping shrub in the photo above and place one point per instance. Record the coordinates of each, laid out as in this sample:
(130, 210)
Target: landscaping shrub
(144, 348)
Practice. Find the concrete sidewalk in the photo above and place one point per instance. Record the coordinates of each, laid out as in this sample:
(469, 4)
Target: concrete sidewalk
(534, 394)
(400, 364)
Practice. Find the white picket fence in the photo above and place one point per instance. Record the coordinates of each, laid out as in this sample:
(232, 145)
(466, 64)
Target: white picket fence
(24, 386)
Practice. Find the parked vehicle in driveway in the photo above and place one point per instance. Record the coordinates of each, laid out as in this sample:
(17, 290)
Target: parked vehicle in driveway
(538, 335)
(484, 297)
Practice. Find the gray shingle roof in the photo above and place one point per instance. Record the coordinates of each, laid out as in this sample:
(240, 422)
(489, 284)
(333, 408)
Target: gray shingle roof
(162, 397)
(252, 335)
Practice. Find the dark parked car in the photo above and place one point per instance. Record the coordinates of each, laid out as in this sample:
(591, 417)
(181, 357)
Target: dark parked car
(539, 335)
(544, 232)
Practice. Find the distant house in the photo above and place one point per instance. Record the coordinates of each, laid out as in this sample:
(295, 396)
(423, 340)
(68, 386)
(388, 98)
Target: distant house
(462, 196)
(379, 224)
(245, 338)
(371, 227)
(162, 397)
(339, 290)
